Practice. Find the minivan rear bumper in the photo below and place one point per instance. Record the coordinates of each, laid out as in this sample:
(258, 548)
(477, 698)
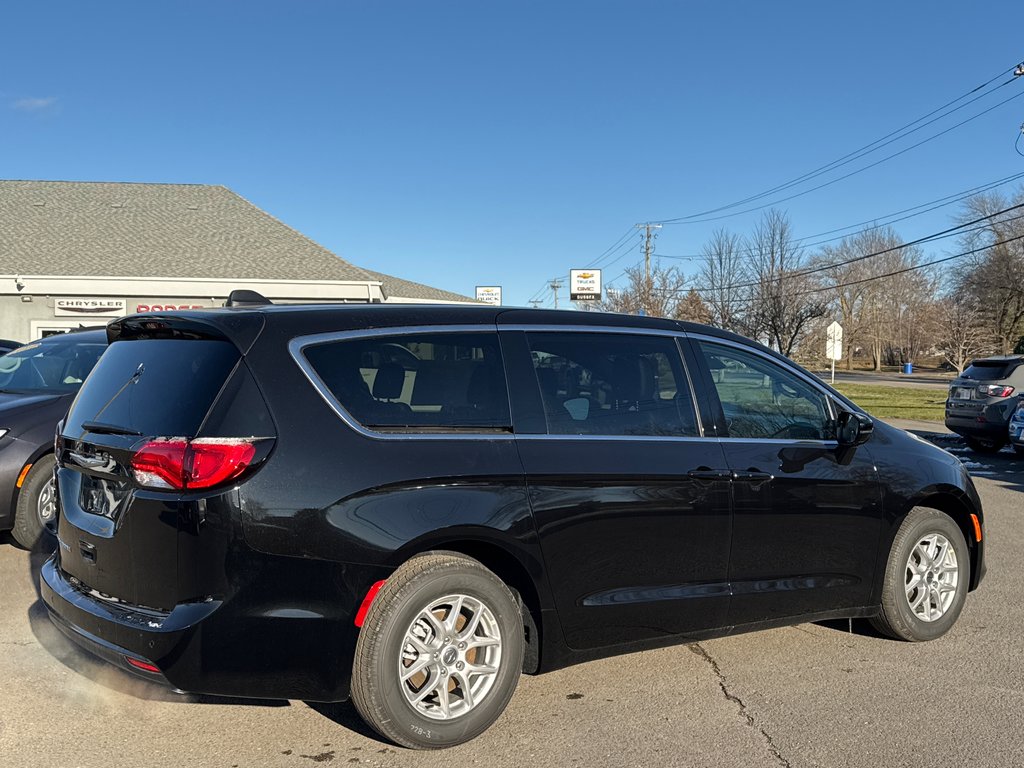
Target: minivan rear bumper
(256, 646)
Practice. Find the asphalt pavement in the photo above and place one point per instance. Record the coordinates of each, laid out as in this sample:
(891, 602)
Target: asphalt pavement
(810, 695)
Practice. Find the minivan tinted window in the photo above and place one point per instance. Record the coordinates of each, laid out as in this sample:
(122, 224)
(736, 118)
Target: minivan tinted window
(612, 384)
(156, 387)
(417, 382)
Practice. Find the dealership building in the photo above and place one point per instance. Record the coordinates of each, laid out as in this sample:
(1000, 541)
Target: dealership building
(80, 253)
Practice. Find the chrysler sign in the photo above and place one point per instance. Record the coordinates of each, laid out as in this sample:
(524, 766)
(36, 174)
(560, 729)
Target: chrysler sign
(68, 307)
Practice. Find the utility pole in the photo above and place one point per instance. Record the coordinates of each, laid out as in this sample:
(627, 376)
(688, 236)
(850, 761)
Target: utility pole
(554, 285)
(536, 302)
(649, 238)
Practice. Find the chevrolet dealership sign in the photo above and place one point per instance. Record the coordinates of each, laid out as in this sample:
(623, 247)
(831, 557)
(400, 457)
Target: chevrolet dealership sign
(584, 284)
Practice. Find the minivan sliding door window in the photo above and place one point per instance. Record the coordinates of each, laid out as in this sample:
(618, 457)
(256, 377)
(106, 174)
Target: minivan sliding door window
(612, 384)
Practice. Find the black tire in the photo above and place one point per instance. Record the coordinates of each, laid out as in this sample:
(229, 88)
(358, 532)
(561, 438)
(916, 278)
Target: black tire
(986, 445)
(377, 690)
(1018, 449)
(30, 530)
(897, 618)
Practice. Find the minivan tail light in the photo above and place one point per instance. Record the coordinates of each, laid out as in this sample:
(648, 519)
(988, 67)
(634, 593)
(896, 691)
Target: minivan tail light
(180, 464)
(995, 390)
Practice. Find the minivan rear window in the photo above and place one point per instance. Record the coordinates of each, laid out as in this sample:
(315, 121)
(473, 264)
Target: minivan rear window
(155, 387)
(988, 370)
(417, 382)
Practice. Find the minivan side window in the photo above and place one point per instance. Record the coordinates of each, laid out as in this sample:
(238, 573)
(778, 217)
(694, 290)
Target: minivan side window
(612, 384)
(417, 382)
(761, 399)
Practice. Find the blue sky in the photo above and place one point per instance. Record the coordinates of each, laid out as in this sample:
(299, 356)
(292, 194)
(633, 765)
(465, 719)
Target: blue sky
(465, 143)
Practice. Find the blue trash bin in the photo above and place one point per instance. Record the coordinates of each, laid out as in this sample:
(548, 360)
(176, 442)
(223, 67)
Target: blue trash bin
(908, 368)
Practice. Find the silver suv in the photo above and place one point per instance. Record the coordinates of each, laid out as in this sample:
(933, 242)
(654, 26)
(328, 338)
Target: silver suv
(982, 400)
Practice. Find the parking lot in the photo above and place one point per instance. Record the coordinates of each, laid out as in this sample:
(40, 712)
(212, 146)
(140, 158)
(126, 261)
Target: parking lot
(811, 695)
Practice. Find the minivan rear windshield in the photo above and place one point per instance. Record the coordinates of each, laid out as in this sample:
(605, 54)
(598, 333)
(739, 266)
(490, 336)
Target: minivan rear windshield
(153, 387)
(987, 370)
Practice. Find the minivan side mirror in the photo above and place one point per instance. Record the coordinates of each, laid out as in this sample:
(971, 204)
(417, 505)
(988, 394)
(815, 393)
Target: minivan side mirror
(853, 428)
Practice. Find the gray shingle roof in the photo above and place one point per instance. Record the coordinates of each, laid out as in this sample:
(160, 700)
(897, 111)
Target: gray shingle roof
(153, 230)
(396, 286)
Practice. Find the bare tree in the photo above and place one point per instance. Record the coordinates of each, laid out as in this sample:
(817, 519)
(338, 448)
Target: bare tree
(659, 296)
(992, 279)
(961, 334)
(784, 298)
(724, 267)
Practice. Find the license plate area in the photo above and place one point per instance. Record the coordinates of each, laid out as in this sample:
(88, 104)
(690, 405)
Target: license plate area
(963, 393)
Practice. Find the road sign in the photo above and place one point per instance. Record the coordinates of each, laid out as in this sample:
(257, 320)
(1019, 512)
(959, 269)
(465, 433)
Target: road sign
(834, 342)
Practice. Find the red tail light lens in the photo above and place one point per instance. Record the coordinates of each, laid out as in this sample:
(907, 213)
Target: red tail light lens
(184, 465)
(995, 390)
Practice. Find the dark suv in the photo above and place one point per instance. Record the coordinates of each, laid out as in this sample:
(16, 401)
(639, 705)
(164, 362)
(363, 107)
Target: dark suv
(982, 400)
(411, 505)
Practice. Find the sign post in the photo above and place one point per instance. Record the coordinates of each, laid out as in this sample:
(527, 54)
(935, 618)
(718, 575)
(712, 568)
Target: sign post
(834, 345)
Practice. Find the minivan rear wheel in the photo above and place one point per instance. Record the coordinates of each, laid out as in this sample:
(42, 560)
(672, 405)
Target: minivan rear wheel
(439, 653)
(926, 577)
(985, 444)
(35, 514)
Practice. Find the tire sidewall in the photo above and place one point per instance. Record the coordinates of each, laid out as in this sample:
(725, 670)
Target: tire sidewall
(28, 529)
(410, 601)
(935, 522)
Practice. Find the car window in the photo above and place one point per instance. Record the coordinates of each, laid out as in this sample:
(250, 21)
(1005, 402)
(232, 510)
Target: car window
(154, 386)
(49, 366)
(417, 382)
(612, 384)
(761, 399)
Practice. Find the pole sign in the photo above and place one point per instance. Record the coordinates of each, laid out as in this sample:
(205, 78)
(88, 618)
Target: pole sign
(489, 294)
(834, 342)
(584, 284)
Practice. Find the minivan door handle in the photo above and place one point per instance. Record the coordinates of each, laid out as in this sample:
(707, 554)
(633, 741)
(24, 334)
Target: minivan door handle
(753, 477)
(706, 476)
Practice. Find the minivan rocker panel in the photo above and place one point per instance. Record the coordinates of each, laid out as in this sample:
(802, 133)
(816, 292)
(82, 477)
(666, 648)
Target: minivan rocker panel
(402, 503)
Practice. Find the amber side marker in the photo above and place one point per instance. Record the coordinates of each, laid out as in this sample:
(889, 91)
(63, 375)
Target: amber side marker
(977, 527)
(21, 477)
(367, 601)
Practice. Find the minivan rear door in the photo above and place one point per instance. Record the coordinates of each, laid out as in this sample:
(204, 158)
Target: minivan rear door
(631, 504)
(118, 538)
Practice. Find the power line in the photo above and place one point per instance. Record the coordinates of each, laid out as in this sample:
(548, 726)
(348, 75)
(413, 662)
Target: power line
(958, 229)
(846, 175)
(884, 220)
(860, 152)
(910, 269)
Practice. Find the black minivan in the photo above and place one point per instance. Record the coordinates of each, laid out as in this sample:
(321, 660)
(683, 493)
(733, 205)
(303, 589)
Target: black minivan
(411, 505)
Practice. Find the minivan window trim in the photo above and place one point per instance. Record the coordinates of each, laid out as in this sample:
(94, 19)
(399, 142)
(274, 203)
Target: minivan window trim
(299, 343)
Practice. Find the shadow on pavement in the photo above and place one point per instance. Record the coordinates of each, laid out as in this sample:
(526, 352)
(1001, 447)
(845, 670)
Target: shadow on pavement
(344, 714)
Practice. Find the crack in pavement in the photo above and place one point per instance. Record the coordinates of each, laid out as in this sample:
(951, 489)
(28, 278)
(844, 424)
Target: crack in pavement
(698, 649)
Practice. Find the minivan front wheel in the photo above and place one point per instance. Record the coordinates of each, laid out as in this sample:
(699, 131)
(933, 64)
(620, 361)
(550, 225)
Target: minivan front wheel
(926, 577)
(439, 653)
